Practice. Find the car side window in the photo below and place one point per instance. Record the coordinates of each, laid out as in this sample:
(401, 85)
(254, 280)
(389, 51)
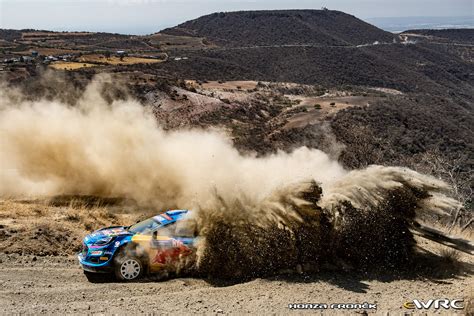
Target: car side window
(182, 228)
(167, 230)
(186, 228)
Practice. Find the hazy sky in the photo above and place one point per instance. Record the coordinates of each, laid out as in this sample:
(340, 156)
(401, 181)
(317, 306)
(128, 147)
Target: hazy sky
(147, 16)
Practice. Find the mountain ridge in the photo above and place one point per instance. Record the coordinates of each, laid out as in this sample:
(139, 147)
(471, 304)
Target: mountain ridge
(251, 28)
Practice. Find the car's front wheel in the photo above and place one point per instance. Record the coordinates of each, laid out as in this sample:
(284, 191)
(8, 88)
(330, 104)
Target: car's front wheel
(128, 268)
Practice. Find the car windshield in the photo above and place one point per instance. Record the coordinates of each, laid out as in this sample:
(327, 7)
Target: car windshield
(145, 227)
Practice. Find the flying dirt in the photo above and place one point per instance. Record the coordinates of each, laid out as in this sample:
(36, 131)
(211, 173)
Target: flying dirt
(256, 215)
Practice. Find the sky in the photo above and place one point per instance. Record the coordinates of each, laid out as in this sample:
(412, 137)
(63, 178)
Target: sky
(149, 16)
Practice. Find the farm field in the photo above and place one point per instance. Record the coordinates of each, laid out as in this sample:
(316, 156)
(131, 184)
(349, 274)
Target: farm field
(114, 60)
(70, 65)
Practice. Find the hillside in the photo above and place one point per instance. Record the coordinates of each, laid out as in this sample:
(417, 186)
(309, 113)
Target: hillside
(457, 35)
(409, 68)
(301, 27)
(413, 95)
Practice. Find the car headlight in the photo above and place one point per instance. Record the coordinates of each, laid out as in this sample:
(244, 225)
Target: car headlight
(103, 241)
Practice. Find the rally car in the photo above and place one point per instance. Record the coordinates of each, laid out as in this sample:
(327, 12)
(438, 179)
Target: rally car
(151, 246)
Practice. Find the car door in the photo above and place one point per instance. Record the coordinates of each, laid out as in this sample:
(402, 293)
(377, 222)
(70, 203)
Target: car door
(171, 243)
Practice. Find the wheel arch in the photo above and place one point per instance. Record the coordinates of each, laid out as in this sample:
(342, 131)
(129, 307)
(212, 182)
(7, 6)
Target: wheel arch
(133, 249)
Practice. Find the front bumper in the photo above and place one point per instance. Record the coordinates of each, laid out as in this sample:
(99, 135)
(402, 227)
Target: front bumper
(96, 259)
(94, 267)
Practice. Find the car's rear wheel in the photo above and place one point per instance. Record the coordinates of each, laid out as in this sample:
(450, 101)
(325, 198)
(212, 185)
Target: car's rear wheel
(128, 268)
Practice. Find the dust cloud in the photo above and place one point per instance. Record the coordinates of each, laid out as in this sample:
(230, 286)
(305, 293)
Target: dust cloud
(255, 214)
(96, 148)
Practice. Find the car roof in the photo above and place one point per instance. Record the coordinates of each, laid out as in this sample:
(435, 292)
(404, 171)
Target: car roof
(176, 212)
(170, 216)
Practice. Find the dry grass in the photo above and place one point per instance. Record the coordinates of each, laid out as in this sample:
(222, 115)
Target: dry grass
(166, 41)
(451, 256)
(453, 231)
(67, 65)
(232, 85)
(36, 227)
(96, 58)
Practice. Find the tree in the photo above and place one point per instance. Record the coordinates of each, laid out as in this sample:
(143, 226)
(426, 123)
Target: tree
(460, 180)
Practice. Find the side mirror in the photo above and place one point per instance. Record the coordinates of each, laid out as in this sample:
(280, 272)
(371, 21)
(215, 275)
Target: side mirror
(155, 234)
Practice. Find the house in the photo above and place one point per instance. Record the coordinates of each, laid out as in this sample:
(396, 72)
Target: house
(65, 57)
(34, 53)
(27, 59)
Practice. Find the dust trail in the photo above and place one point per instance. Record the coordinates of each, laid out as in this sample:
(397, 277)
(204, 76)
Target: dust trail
(95, 148)
(259, 214)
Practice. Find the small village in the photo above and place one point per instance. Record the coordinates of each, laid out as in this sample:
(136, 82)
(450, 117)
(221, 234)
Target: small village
(27, 50)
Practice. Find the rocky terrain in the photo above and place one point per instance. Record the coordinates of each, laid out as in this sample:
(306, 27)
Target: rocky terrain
(272, 81)
(56, 285)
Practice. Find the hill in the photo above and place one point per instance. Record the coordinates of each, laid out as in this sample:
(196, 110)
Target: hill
(301, 27)
(425, 76)
(457, 35)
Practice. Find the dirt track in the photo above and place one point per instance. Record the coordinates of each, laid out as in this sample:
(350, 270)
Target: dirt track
(56, 285)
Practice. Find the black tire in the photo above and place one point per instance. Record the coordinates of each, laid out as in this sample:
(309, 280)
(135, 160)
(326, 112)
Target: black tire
(128, 267)
(98, 277)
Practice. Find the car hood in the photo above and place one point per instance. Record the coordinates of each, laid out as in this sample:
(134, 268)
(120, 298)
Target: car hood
(102, 233)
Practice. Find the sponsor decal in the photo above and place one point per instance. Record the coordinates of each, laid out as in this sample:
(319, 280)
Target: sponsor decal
(117, 243)
(96, 252)
(104, 258)
(177, 243)
(171, 254)
(166, 216)
(158, 219)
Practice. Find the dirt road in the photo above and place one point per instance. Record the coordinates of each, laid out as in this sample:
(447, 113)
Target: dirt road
(56, 285)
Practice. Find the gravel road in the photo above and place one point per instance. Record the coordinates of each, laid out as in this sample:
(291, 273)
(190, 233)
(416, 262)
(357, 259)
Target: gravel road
(56, 285)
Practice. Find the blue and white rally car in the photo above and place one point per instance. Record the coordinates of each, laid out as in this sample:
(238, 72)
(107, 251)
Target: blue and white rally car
(151, 246)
